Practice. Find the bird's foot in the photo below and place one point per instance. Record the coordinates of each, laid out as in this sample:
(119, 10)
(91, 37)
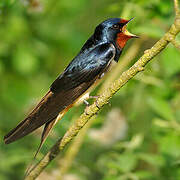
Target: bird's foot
(87, 103)
(95, 97)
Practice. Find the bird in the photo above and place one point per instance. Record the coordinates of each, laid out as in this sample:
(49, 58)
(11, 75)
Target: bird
(93, 60)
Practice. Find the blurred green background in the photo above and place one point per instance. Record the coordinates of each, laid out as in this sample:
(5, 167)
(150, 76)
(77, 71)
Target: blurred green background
(39, 38)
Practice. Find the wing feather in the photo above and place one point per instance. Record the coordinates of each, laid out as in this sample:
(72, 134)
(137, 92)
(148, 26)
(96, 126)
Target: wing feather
(81, 73)
(84, 67)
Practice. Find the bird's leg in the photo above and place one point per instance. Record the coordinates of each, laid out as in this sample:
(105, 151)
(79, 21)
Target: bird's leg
(87, 103)
(95, 97)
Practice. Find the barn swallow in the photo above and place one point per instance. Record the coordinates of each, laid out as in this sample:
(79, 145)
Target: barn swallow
(95, 57)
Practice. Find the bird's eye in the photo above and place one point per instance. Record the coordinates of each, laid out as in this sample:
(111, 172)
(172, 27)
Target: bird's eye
(115, 26)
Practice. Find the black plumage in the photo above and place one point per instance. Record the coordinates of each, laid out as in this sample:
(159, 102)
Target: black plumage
(93, 59)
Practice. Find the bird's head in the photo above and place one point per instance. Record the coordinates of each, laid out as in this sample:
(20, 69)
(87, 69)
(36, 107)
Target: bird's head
(114, 30)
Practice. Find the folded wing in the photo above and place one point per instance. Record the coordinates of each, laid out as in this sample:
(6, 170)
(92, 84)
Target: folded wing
(81, 73)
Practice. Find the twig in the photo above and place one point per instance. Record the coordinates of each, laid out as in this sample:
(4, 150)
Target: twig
(176, 7)
(71, 152)
(176, 44)
(177, 13)
(105, 97)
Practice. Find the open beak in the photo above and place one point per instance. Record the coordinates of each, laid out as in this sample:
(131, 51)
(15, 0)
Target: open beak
(126, 32)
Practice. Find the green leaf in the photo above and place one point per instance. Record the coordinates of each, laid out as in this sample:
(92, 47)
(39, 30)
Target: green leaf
(127, 162)
(170, 144)
(171, 61)
(142, 174)
(24, 61)
(161, 107)
(153, 159)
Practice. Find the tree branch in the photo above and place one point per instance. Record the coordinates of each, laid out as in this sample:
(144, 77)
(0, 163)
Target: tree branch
(176, 44)
(176, 7)
(66, 161)
(106, 96)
